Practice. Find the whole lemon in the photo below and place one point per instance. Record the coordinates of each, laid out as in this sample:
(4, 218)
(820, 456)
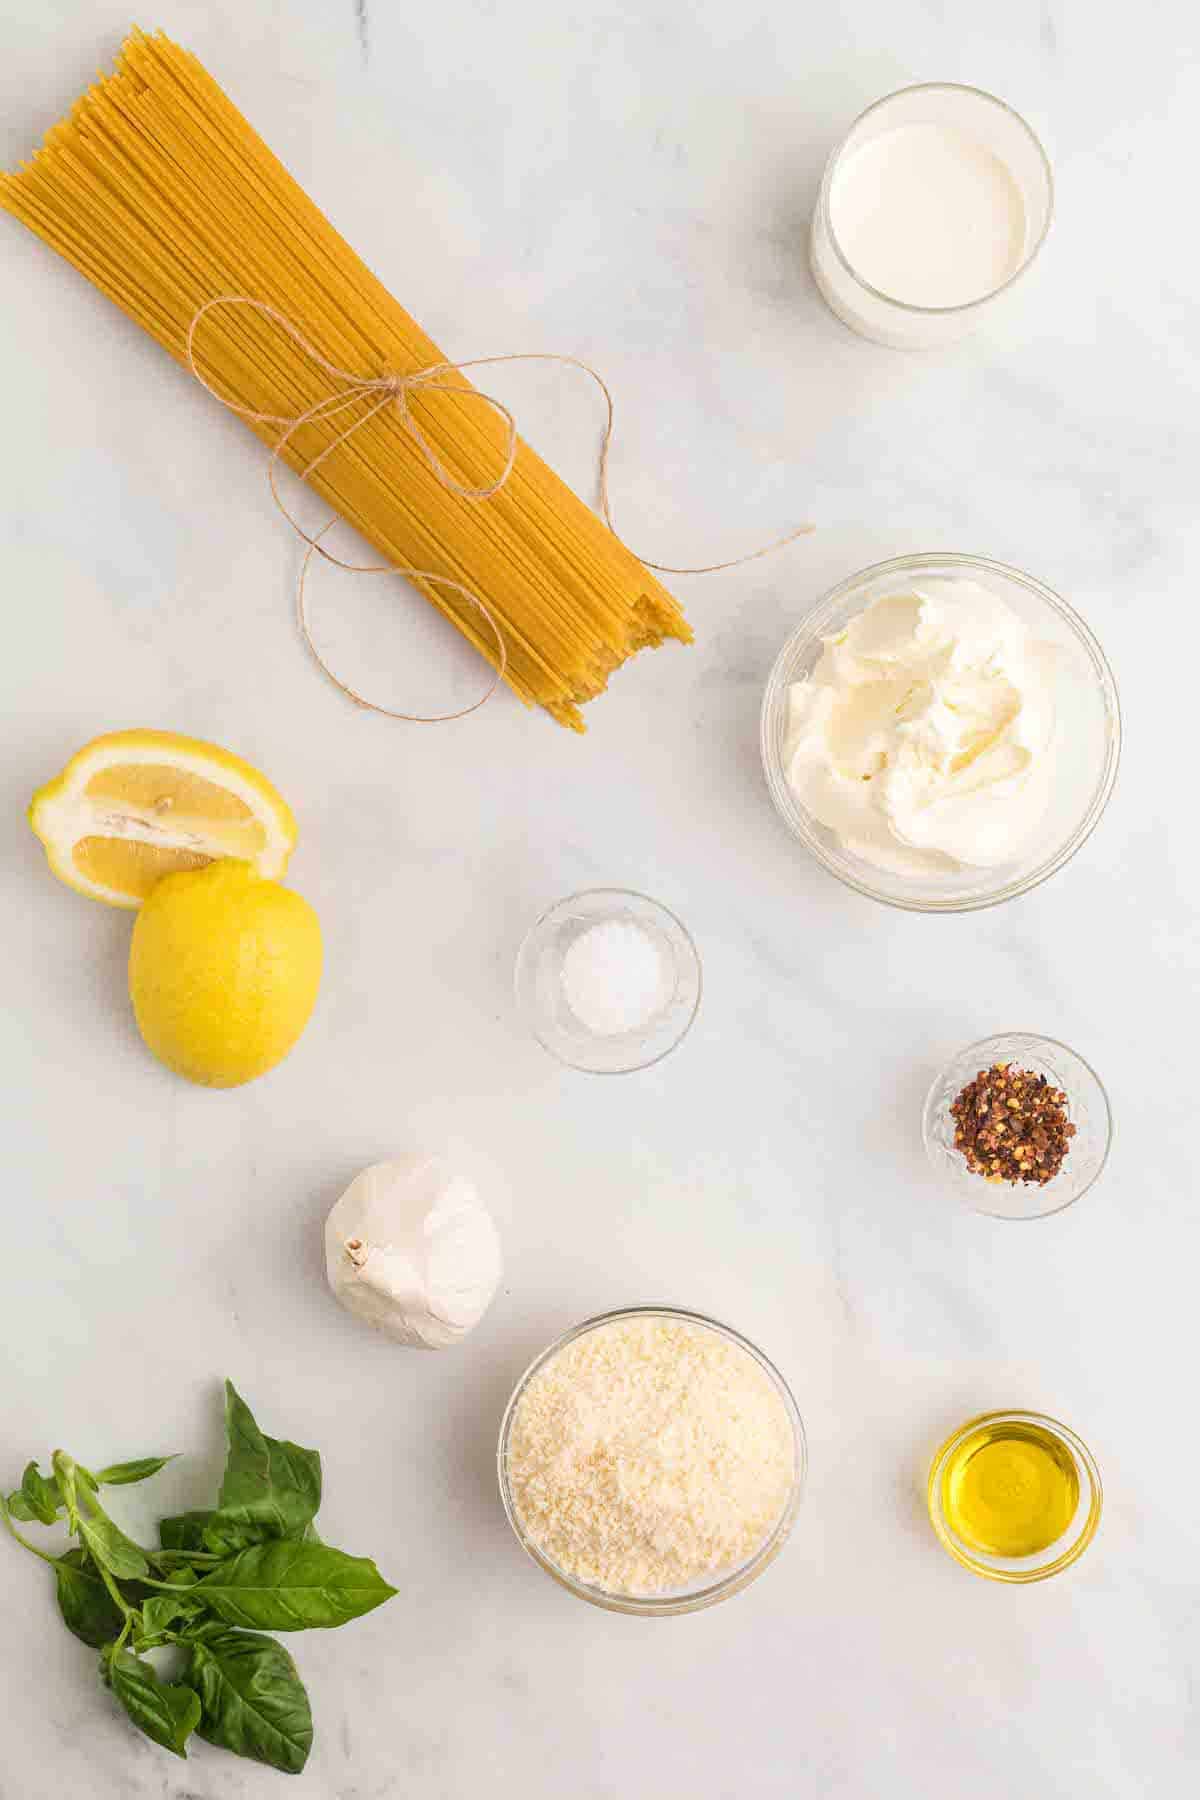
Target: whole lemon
(223, 972)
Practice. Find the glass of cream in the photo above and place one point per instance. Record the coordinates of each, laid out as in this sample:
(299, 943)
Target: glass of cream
(934, 204)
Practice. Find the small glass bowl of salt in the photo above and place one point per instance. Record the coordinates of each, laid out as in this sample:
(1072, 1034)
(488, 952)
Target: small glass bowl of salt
(608, 981)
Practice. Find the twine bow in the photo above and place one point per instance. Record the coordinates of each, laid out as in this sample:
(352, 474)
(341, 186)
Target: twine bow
(396, 390)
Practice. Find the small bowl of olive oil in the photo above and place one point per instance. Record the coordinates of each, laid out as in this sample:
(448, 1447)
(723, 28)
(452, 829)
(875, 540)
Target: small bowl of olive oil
(1015, 1496)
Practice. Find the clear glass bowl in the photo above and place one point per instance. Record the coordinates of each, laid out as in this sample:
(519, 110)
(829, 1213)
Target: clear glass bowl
(708, 1593)
(543, 1002)
(1064, 1550)
(1087, 1109)
(1088, 748)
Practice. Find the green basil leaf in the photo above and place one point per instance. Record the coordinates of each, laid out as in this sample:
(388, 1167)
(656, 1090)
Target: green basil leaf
(284, 1586)
(39, 1493)
(219, 1534)
(87, 1607)
(185, 1531)
(222, 1537)
(268, 1482)
(161, 1611)
(110, 1547)
(212, 1531)
(123, 1474)
(252, 1699)
(42, 1497)
(225, 1537)
(168, 1712)
(198, 1631)
(65, 1474)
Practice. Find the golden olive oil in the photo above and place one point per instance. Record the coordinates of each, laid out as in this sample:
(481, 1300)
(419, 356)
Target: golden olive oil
(1010, 1489)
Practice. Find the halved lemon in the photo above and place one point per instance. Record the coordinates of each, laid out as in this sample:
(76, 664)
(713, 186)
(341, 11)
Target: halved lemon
(133, 806)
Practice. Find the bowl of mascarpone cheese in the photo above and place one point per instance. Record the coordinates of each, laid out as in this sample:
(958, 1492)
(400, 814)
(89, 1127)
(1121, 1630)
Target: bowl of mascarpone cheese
(942, 732)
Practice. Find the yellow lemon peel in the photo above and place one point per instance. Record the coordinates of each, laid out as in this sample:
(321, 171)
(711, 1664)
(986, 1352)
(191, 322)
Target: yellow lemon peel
(224, 969)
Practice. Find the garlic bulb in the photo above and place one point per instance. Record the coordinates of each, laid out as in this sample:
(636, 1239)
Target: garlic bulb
(412, 1249)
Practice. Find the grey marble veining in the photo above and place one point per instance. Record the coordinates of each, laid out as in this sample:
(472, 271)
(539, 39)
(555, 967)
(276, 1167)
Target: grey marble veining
(630, 184)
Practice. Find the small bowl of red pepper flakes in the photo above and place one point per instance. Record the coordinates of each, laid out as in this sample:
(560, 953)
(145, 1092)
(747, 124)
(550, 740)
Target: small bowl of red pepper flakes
(1018, 1125)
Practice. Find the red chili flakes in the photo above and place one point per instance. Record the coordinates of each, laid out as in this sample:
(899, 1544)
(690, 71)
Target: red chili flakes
(1012, 1125)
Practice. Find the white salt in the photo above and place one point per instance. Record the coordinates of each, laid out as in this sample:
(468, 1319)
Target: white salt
(613, 977)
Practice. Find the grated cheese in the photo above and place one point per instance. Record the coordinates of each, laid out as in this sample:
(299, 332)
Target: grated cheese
(650, 1454)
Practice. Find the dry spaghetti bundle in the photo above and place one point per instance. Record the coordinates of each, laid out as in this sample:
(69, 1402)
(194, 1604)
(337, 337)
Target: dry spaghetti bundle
(160, 192)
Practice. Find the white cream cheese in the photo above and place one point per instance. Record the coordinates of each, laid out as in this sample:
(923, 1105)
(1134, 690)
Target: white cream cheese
(927, 731)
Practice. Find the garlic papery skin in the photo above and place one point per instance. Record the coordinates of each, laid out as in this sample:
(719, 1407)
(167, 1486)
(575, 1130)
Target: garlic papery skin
(411, 1249)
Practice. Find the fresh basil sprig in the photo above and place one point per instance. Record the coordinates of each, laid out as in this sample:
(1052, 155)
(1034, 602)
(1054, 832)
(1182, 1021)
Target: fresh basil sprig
(220, 1576)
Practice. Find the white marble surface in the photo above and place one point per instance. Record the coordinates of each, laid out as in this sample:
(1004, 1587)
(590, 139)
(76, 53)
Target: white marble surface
(629, 183)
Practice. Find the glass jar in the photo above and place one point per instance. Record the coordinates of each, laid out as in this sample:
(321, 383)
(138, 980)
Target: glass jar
(989, 124)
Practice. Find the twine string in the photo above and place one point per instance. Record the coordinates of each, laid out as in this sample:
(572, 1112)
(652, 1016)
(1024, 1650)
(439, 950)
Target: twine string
(396, 391)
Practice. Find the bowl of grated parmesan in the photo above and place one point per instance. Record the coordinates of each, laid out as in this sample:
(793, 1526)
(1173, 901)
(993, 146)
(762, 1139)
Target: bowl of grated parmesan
(652, 1461)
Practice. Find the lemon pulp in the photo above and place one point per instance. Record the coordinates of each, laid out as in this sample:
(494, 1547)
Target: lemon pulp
(134, 806)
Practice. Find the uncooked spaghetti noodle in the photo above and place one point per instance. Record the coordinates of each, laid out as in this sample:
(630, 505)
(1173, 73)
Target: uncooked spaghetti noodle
(158, 190)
